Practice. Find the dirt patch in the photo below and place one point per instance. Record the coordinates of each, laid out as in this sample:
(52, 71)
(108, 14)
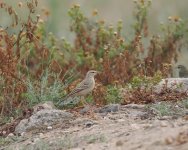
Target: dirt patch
(130, 127)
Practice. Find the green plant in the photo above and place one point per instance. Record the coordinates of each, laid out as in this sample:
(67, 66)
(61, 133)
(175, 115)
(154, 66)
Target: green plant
(89, 99)
(113, 95)
(185, 103)
(140, 15)
(163, 109)
(167, 108)
(4, 141)
(98, 45)
(145, 81)
(48, 88)
(95, 138)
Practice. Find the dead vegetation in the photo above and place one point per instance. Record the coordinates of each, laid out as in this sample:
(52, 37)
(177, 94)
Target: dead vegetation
(31, 52)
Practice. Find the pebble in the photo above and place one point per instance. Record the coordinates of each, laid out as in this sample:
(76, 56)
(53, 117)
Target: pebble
(135, 126)
(169, 140)
(89, 124)
(49, 128)
(119, 143)
(164, 124)
(22, 134)
(147, 126)
(10, 135)
(35, 140)
(41, 135)
(165, 118)
(121, 120)
(134, 106)
(84, 110)
(108, 108)
(4, 132)
(77, 148)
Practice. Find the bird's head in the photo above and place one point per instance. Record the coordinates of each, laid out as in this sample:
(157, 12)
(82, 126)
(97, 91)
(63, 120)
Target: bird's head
(181, 67)
(91, 73)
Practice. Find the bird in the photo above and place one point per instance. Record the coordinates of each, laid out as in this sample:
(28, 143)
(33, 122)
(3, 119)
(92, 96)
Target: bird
(183, 72)
(82, 89)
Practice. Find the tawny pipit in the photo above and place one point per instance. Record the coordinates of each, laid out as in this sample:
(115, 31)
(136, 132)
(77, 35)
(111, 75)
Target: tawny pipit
(85, 87)
(183, 72)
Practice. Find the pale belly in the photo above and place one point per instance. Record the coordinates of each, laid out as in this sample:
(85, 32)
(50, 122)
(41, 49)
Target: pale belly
(86, 91)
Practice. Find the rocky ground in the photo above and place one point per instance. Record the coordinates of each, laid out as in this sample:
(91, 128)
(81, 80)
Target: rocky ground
(131, 127)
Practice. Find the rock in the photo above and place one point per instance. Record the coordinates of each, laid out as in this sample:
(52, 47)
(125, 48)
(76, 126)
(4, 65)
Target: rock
(49, 128)
(77, 148)
(177, 84)
(134, 106)
(108, 108)
(89, 124)
(35, 140)
(147, 126)
(4, 132)
(163, 124)
(42, 119)
(84, 122)
(22, 134)
(169, 140)
(10, 135)
(43, 105)
(41, 135)
(119, 143)
(121, 120)
(165, 118)
(135, 126)
(84, 110)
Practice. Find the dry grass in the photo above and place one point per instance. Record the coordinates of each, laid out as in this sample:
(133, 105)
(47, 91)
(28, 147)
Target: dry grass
(27, 54)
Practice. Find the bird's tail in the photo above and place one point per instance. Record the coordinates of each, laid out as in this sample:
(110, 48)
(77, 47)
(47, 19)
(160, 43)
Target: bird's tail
(68, 100)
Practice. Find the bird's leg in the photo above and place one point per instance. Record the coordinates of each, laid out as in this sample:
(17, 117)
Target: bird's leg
(88, 108)
(83, 101)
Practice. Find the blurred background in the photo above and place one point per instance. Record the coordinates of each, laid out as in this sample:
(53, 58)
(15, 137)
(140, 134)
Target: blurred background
(109, 10)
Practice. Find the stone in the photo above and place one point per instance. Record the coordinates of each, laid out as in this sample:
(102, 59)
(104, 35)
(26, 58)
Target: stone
(4, 132)
(108, 108)
(147, 126)
(10, 135)
(77, 148)
(42, 119)
(134, 106)
(163, 124)
(85, 110)
(35, 140)
(22, 134)
(135, 126)
(177, 84)
(119, 143)
(169, 140)
(89, 124)
(43, 105)
(49, 127)
(41, 135)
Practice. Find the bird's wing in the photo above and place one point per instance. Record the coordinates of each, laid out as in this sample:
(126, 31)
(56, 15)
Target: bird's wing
(82, 86)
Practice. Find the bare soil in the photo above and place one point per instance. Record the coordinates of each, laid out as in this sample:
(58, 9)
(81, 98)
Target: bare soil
(130, 128)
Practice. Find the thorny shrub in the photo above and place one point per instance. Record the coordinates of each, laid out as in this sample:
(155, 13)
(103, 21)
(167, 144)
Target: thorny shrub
(24, 57)
(97, 45)
(144, 90)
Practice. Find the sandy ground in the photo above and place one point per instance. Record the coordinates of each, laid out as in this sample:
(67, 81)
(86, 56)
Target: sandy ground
(130, 128)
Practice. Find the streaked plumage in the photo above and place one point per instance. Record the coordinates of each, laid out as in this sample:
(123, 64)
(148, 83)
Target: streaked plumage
(183, 72)
(85, 87)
